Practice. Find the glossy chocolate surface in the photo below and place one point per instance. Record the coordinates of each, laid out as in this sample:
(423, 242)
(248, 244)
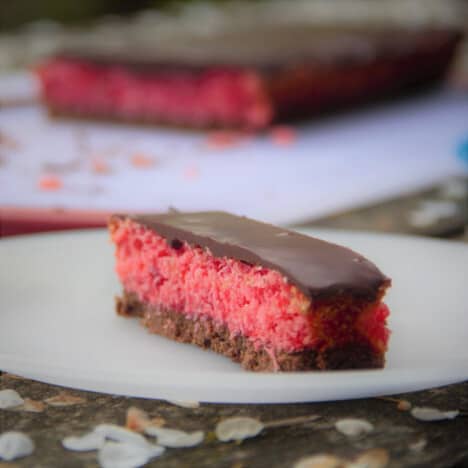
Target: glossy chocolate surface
(316, 267)
(264, 48)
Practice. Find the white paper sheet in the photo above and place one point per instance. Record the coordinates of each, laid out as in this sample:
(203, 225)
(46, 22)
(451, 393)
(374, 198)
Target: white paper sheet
(335, 163)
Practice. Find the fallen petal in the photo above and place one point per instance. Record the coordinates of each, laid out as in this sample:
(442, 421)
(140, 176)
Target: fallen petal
(120, 434)
(353, 427)
(10, 398)
(320, 461)
(374, 458)
(238, 428)
(32, 406)
(432, 414)
(15, 445)
(127, 455)
(64, 399)
(185, 404)
(84, 443)
(137, 419)
(404, 405)
(174, 438)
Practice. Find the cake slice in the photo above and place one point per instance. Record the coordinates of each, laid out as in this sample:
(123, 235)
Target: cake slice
(245, 79)
(268, 298)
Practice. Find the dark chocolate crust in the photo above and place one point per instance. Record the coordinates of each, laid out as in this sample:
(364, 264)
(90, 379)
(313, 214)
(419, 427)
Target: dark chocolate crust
(318, 268)
(268, 49)
(208, 335)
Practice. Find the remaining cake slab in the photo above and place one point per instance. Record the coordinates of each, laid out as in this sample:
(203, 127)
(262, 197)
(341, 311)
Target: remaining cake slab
(245, 79)
(264, 296)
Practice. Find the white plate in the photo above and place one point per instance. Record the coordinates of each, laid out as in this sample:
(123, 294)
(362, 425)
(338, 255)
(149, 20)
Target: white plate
(57, 324)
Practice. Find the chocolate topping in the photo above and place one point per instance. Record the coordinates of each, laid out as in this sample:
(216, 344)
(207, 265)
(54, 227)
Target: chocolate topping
(264, 48)
(316, 267)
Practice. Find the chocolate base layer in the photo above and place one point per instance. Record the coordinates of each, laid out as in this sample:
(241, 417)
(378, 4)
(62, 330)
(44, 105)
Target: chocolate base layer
(209, 335)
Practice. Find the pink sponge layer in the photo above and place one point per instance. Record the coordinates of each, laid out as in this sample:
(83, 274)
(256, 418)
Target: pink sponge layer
(219, 96)
(256, 302)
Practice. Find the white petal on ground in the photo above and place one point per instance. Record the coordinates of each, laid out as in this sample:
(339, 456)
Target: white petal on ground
(15, 445)
(185, 404)
(174, 438)
(373, 458)
(127, 455)
(418, 446)
(84, 443)
(120, 434)
(320, 461)
(431, 211)
(432, 414)
(238, 428)
(353, 427)
(10, 398)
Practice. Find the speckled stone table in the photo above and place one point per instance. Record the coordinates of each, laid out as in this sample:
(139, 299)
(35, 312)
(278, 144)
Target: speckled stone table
(402, 440)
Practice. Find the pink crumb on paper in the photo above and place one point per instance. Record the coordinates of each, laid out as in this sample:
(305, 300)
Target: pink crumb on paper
(50, 182)
(283, 135)
(191, 172)
(100, 166)
(141, 161)
(223, 139)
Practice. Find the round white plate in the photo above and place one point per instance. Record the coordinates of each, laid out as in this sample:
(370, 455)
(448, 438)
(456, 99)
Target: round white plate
(57, 325)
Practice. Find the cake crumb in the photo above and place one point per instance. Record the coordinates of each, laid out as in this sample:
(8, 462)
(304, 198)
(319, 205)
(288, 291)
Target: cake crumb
(191, 173)
(283, 135)
(223, 139)
(142, 161)
(100, 166)
(50, 183)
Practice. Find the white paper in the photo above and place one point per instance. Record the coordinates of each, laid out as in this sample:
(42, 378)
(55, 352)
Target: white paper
(335, 163)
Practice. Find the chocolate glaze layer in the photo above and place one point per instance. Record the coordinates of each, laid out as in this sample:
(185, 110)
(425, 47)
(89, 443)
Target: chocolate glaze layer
(266, 49)
(316, 267)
